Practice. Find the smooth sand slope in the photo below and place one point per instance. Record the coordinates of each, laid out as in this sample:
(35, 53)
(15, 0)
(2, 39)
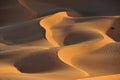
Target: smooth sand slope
(59, 40)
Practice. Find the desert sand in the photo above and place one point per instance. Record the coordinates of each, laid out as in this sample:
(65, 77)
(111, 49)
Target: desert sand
(59, 40)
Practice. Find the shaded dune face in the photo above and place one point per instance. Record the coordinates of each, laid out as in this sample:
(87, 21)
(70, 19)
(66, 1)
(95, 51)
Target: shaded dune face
(22, 33)
(32, 12)
(19, 11)
(13, 53)
(41, 8)
(114, 31)
(12, 12)
(23, 10)
(79, 37)
(43, 61)
(103, 61)
(83, 7)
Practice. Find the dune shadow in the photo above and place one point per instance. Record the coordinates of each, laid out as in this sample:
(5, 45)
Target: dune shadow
(114, 31)
(22, 33)
(78, 37)
(43, 61)
(11, 12)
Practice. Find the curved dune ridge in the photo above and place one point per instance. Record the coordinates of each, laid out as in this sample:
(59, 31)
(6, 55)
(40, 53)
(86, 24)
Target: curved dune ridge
(59, 40)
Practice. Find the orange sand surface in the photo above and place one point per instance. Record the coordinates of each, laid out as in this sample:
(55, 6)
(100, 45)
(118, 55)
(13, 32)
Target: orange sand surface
(59, 40)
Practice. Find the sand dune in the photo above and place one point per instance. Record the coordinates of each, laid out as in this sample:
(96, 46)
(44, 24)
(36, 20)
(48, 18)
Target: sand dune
(110, 77)
(59, 40)
(22, 33)
(103, 61)
(17, 11)
(83, 7)
(12, 13)
(42, 61)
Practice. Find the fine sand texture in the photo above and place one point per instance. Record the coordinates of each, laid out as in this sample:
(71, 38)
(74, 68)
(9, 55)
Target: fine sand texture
(59, 40)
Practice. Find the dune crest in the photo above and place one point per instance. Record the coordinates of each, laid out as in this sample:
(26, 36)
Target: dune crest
(49, 23)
